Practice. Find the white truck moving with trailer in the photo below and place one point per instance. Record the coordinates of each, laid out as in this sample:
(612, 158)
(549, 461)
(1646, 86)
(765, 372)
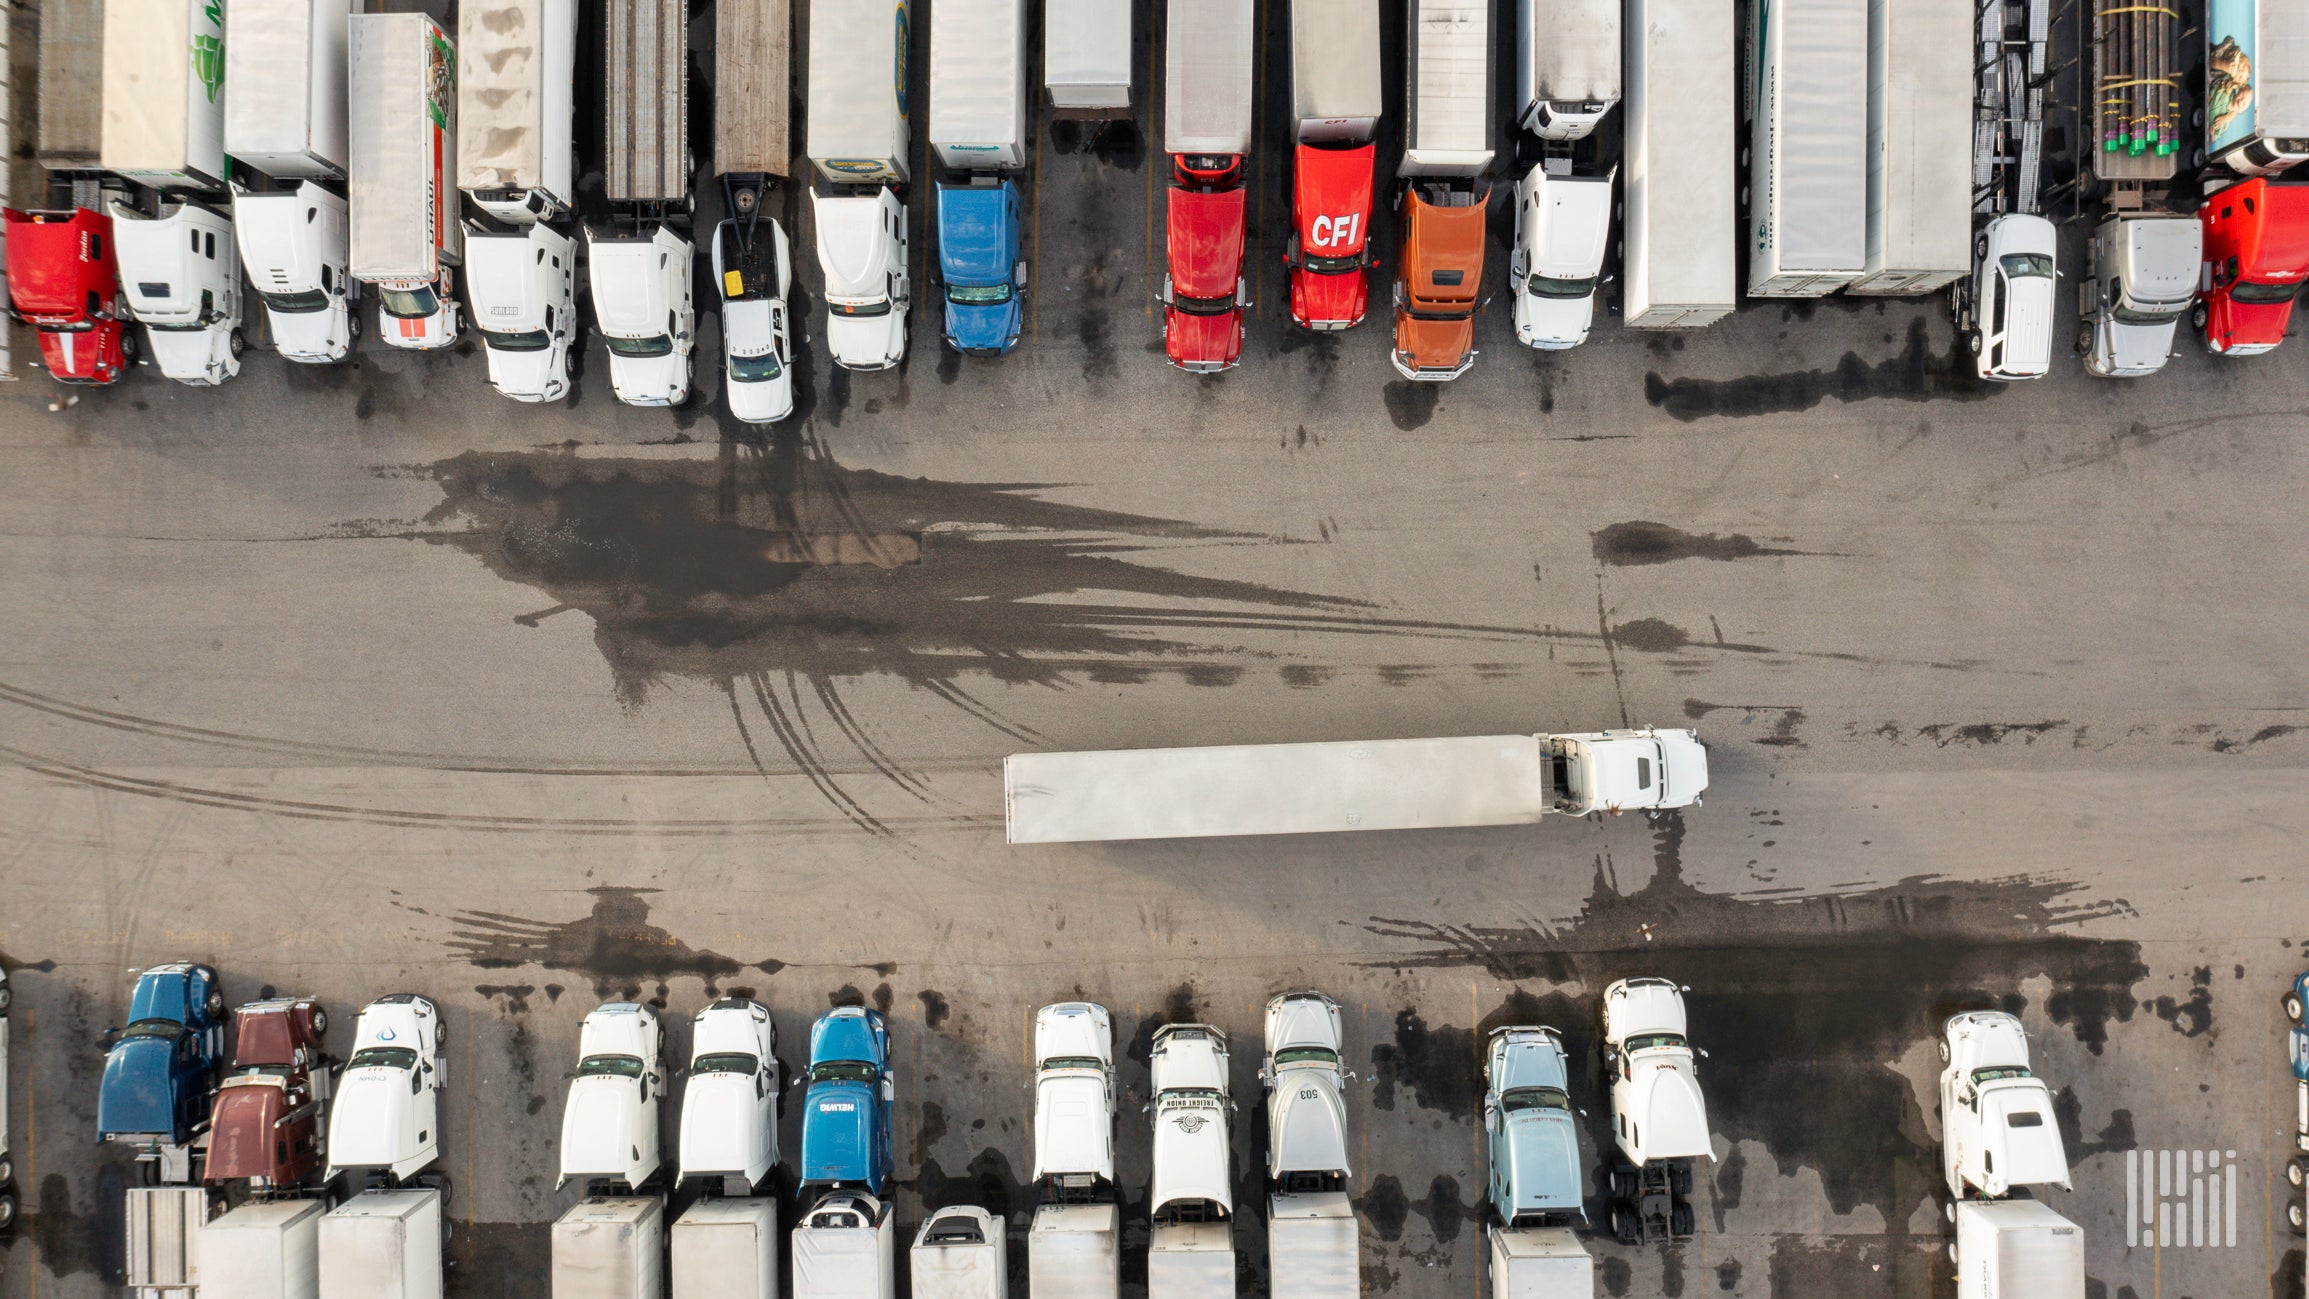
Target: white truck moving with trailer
(1680, 229)
(164, 70)
(1074, 1247)
(265, 1249)
(978, 84)
(1919, 206)
(610, 1247)
(1086, 58)
(1567, 72)
(162, 1258)
(1190, 1246)
(1312, 1248)
(383, 1245)
(516, 107)
(1348, 785)
(1807, 105)
(1998, 1130)
(726, 1249)
(845, 1247)
(406, 238)
(1448, 128)
(641, 262)
(1659, 1120)
(2017, 1249)
(182, 273)
(960, 1253)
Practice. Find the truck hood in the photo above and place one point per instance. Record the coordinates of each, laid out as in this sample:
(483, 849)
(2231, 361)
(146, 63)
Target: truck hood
(1205, 241)
(650, 380)
(82, 355)
(2233, 326)
(628, 286)
(853, 251)
(984, 326)
(1543, 1162)
(1301, 1022)
(138, 1090)
(1190, 1154)
(1203, 343)
(838, 1132)
(2032, 1154)
(1074, 1028)
(721, 1124)
(1072, 1129)
(2163, 258)
(502, 284)
(597, 1126)
(976, 242)
(1665, 1099)
(1565, 239)
(1332, 199)
(46, 276)
(1338, 299)
(241, 1131)
(1306, 1123)
(866, 342)
(1433, 344)
(194, 356)
(372, 1121)
(534, 375)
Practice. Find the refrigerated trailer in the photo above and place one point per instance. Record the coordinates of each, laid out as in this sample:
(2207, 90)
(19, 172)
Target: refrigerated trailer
(978, 84)
(1680, 214)
(1336, 96)
(516, 107)
(164, 93)
(1208, 57)
(284, 111)
(71, 121)
(857, 128)
(1086, 58)
(1449, 123)
(1567, 67)
(1919, 207)
(1807, 107)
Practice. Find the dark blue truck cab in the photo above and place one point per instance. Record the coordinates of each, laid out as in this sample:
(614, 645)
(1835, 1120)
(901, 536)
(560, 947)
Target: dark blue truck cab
(160, 1071)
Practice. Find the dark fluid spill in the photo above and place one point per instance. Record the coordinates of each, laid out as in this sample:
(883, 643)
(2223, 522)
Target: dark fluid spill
(1639, 543)
(1914, 375)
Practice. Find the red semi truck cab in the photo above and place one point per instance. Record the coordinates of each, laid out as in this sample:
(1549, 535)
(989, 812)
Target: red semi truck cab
(1203, 293)
(63, 281)
(2256, 259)
(1330, 235)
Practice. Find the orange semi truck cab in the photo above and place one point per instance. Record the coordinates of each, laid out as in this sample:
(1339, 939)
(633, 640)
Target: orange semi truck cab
(1440, 281)
(2256, 259)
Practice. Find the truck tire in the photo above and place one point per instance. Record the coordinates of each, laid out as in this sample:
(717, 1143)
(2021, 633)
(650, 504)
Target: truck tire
(215, 1003)
(1623, 1183)
(129, 347)
(237, 341)
(1624, 1225)
(2292, 1004)
(1681, 1221)
(1680, 1180)
(320, 1021)
(7, 995)
(2295, 1216)
(2293, 1172)
(7, 1170)
(7, 1210)
(2197, 317)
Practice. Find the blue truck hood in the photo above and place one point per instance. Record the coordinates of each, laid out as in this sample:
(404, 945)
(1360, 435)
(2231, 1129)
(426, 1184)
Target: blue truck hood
(838, 1133)
(845, 1037)
(160, 994)
(1543, 1150)
(976, 241)
(138, 1091)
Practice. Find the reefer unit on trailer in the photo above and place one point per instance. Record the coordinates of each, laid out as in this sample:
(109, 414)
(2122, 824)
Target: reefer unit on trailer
(648, 102)
(610, 1247)
(753, 86)
(71, 130)
(516, 64)
(383, 1245)
(1086, 57)
(1207, 62)
(2256, 84)
(1680, 215)
(1567, 67)
(284, 107)
(727, 1249)
(1807, 103)
(1448, 105)
(1919, 188)
(978, 84)
(164, 92)
(1335, 89)
(858, 131)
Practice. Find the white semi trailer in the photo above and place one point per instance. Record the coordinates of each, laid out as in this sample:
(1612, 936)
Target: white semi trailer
(1919, 189)
(1807, 102)
(1680, 231)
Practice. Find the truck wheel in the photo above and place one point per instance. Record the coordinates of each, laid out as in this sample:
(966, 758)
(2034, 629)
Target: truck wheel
(1680, 1180)
(7, 995)
(2197, 318)
(2084, 342)
(215, 1003)
(129, 347)
(7, 1210)
(1623, 1183)
(320, 1021)
(1944, 1050)
(7, 1170)
(1680, 1222)
(2292, 1004)
(2293, 1172)
(2295, 1216)
(1624, 1225)
(1952, 1252)
(237, 342)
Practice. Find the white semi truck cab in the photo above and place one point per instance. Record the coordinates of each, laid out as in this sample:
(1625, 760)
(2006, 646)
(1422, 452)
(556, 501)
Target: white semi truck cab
(643, 307)
(862, 250)
(182, 273)
(729, 1104)
(1998, 1130)
(1659, 1120)
(1190, 1249)
(609, 1126)
(1312, 1248)
(1562, 224)
(387, 1115)
(294, 244)
(523, 287)
(2140, 280)
(1074, 1248)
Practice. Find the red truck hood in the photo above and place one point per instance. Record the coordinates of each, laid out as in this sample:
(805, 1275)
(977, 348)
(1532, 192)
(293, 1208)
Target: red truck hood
(241, 1133)
(83, 355)
(2230, 324)
(48, 276)
(1203, 342)
(1205, 241)
(1331, 207)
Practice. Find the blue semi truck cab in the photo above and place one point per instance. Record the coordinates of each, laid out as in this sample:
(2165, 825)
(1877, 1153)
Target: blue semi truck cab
(160, 1071)
(981, 264)
(846, 1111)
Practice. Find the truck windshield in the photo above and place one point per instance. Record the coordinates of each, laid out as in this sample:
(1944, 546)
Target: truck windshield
(2263, 294)
(1071, 1062)
(1332, 265)
(1307, 1055)
(524, 340)
(1999, 1073)
(1542, 286)
(153, 1028)
(1447, 314)
(879, 307)
(754, 369)
(1535, 1098)
(978, 294)
(2147, 315)
(1654, 1041)
(725, 1062)
(843, 1071)
(409, 304)
(654, 345)
(2023, 265)
(383, 1057)
(1217, 306)
(297, 304)
(619, 1066)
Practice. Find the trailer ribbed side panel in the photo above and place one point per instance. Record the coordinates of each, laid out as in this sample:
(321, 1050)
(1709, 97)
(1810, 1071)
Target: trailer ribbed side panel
(753, 86)
(1919, 90)
(1207, 62)
(648, 79)
(1451, 108)
(71, 84)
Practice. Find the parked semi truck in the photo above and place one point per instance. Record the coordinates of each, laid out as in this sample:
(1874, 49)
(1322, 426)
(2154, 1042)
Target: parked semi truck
(609, 1125)
(960, 1253)
(641, 258)
(1679, 229)
(1336, 101)
(183, 275)
(2256, 115)
(1086, 59)
(1999, 1135)
(1562, 231)
(858, 139)
(2256, 257)
(1919, 210)
(1567, 72)
(1207, 61)
(2144, 258)
(729, 1104)
(1312, 1247)
(978, 132)
(64, 282)
(387, 1114)
(1659, 1121)
(285, 124)
(1190, 1246)
(268, 1129)
(845, 1247)
(1074, 1247)
(160, 1071)
(610, 1247)
(846, 1107)
(516, 115)
(1348, 785)
(406, 238)
(726, 1249)
(384, 1244)
(164, 72)
(1449, 126)
(752, 260)
(1807, 105)
(1535, 1195)
(1439, 277)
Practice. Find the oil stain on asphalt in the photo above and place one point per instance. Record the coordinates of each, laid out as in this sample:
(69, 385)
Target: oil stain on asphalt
(1914, 375)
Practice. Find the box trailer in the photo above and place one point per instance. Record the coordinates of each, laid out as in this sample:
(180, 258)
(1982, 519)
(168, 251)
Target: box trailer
(383, 1245)
(1919, 189)
(1335, 88)
(1537, 1263)
(516, 107)
(648, 102)
(978, 84)
(1086, 58)
(1074, 1251)
(1209, 50)
(1312, 1247)
(1449, 127)
(71, 131)
(727, 1249)
(858, 132)
(162, 1251)
(1807, 108)
(401, 199)
(2017, 1249)
(610, 1247)
(1567, 66)
(753, 87)
(2256, 84)
(284, 105)
(265, 1249)
(1680, 215)
(164, 93)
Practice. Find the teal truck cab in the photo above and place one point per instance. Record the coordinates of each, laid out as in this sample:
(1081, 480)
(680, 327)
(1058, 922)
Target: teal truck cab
(981, 268)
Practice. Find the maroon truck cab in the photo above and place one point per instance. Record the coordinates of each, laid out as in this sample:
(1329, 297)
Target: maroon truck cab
(1203, 293)
(63, 281)
(2256, 258)
(268, 1128)
(1330, 235)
